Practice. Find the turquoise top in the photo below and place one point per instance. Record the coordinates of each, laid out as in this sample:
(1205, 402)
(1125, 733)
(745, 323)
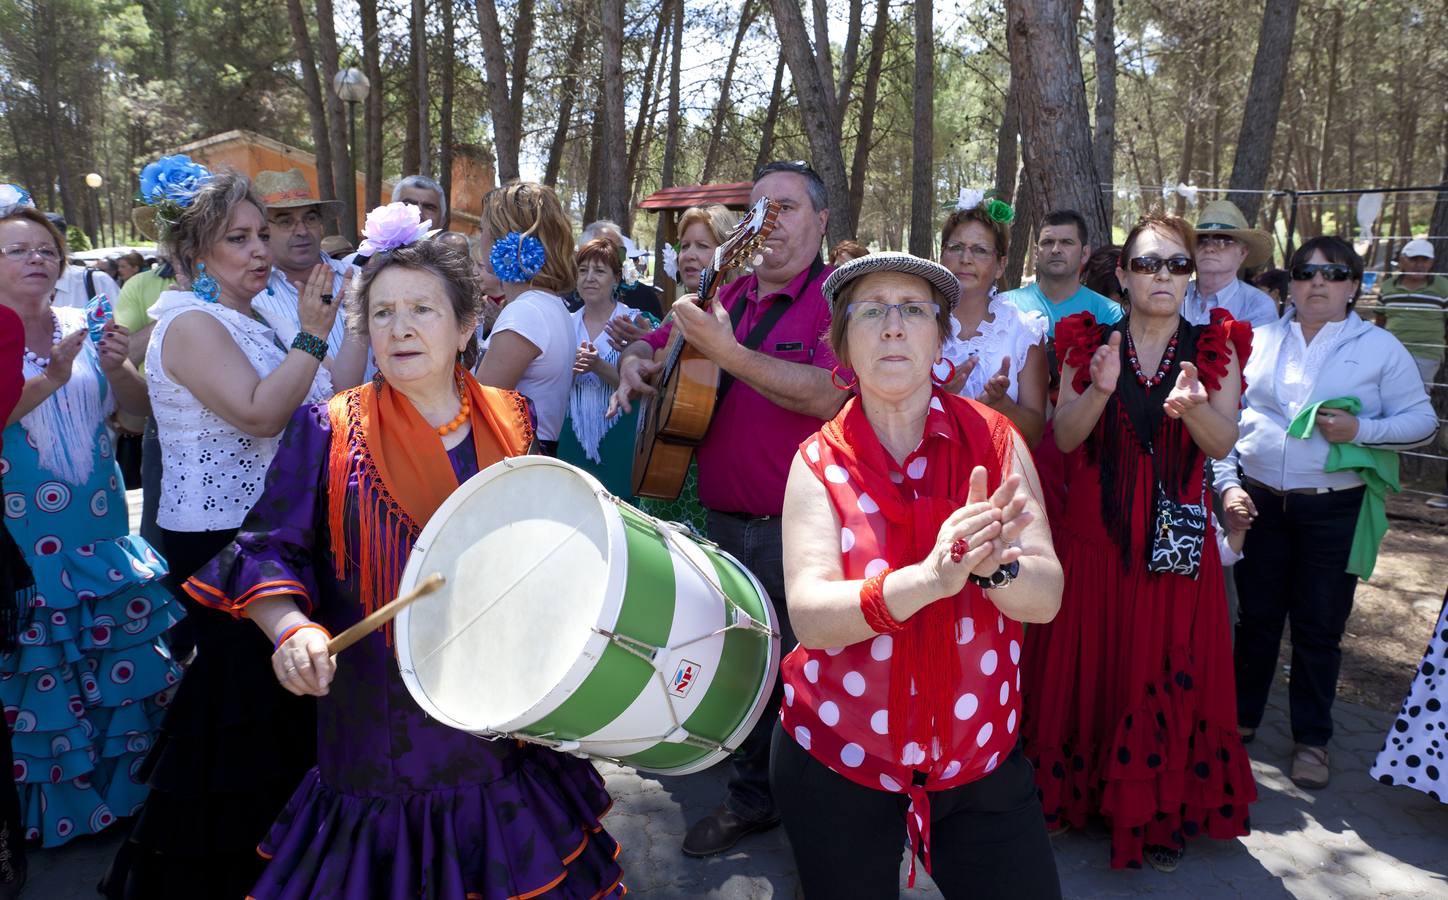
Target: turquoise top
(1030, 297)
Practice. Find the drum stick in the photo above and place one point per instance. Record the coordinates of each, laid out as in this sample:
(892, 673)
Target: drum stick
(384, 614)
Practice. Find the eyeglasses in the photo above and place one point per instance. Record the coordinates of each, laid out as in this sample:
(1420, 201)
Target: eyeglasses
(1215, 240)
(1328, 271)
(873, 311)
(21, 253)
(1150, 265)
(956, 248)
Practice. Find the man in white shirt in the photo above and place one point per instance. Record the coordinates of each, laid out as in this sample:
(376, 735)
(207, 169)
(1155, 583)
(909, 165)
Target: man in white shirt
(296, 218)
(78, 283)
(1224, 245)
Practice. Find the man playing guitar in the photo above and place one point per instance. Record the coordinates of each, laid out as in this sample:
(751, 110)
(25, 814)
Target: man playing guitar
(772, 397)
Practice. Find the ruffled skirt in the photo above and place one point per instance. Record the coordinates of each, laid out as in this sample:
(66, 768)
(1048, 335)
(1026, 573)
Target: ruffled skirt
(535, 831)
(1129, 703)
(87, 685)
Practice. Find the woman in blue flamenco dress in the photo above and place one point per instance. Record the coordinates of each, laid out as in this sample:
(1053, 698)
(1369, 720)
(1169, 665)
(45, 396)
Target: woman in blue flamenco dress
(85, 688)
(399, 806)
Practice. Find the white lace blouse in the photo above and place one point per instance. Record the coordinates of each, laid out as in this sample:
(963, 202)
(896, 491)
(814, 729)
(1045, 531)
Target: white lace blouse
(1012, 332)
(213, 472)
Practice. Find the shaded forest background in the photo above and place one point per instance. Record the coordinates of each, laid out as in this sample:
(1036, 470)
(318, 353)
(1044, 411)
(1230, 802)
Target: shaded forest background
(899, 106)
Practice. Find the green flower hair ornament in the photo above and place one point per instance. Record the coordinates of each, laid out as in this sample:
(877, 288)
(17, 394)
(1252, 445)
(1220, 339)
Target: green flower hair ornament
(998, 210)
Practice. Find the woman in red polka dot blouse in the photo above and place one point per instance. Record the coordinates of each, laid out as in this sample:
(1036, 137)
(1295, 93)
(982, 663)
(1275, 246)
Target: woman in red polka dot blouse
(913, 549)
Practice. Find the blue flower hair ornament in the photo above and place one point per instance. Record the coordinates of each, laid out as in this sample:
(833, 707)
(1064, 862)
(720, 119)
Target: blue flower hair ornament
(13, 197)
(517, 258)
(173, 179)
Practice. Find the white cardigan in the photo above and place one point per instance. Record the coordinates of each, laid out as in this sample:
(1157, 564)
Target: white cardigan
(1367, 363)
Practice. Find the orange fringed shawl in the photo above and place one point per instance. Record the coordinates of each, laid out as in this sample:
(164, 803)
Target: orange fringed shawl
(402, 472)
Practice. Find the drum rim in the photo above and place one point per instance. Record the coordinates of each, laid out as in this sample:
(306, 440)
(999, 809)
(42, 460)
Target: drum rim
(593, 646)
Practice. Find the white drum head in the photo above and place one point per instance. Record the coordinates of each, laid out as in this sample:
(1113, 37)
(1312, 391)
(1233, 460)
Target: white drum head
(525, 548)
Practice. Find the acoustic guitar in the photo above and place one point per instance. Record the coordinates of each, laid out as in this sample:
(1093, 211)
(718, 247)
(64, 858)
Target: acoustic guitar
(672, 423)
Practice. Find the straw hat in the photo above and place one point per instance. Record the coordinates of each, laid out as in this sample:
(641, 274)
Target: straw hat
(289, 189)
(1223, 217)
(933, 273)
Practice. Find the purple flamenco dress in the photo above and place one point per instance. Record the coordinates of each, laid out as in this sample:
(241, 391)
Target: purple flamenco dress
(399, 806)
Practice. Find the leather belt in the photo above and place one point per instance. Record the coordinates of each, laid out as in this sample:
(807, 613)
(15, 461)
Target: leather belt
(1305, 490)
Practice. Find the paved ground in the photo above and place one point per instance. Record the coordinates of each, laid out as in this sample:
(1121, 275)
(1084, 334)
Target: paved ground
(1356, 839)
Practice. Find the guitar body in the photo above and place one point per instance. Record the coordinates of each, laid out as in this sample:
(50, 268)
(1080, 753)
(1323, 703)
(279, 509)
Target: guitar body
(673, 423)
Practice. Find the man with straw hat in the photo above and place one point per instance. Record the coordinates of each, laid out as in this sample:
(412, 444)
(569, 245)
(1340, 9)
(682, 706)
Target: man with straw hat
(296, 218)
(1225, 244)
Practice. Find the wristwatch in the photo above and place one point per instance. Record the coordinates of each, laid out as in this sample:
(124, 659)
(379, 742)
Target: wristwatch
(997, 579)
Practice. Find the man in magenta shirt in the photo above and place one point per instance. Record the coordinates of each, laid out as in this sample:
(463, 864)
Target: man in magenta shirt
(780, 395)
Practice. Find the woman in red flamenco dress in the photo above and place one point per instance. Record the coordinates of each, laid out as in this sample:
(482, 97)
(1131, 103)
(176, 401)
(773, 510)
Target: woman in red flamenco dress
(1129, 698)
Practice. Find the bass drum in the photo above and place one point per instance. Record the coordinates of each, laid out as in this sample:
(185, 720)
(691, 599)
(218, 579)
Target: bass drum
(573, 620)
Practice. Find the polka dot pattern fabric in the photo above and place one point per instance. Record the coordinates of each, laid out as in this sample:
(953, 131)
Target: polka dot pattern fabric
(1414, 751)
(86, 688)
(836, 699)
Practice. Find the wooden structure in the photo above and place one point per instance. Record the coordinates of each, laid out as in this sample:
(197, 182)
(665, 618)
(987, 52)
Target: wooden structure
(250, 153)
(670, 202)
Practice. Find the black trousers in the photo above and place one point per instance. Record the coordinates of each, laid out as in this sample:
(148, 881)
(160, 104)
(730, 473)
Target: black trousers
(757, 544)
(1294, 568)
(988, 838)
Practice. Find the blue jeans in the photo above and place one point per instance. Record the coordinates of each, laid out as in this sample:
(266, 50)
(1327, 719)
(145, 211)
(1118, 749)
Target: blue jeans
(756, 543)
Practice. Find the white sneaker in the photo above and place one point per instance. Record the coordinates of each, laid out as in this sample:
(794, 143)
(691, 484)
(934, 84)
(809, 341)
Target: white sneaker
(1438, 502)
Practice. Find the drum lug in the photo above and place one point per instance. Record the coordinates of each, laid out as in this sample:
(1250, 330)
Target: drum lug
(646, 652)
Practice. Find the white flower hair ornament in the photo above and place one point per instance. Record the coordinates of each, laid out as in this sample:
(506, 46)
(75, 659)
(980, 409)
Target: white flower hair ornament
(969, 198)
(671, 262)
(13, 197)
(392, 226)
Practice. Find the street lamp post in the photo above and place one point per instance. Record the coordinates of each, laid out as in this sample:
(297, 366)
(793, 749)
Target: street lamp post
(94, 182)
(352, 86)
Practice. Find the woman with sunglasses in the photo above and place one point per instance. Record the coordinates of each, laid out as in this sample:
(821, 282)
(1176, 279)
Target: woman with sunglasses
(1128, 694)
(1326, 390)
(996, 351)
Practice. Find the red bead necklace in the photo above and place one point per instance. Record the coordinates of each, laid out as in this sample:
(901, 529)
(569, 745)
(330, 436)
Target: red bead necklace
(1161, 369)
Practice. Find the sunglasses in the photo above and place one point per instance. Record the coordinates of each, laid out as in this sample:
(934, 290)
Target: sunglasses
(1215, 240)
(1150, 265)
(1329, 272)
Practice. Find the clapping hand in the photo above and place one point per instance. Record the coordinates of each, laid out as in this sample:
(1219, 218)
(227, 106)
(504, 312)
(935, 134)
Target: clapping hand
(624, 330)
(996, 387)
(1106, 364)
(1188, 393)
(587, 359)
(985, 528)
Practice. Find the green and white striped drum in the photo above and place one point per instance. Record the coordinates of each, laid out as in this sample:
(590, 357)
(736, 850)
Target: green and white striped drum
(573, 620)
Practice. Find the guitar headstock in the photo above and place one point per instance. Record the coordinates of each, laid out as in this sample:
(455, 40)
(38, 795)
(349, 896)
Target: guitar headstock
(742, 244)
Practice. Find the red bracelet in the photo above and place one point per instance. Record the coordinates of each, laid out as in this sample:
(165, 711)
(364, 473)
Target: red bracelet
(872, 605)
(294, 629)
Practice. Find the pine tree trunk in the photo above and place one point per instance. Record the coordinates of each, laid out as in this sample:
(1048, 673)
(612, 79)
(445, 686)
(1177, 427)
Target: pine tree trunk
(771, 115)
(721, 107)
(1007, 146)
(647, 104)
(859, 165)
(506, 130)
(372, 106)
(614, 185)
(1264, 102)
(850, 60)
(922, 164)
(567, 92)
(344, 173)
(1055, 130)
(445, 109)
(821, 129)
(1439, 226)
(671, 132)
(321, 141)
(594, 190)
(1103, 142)
(421, 88)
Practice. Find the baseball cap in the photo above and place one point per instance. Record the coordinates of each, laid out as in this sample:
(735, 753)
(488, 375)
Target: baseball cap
(1417, 247)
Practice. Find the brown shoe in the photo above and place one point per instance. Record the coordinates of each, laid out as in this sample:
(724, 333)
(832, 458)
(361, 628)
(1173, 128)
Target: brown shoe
(1309, 767)
(721, 830)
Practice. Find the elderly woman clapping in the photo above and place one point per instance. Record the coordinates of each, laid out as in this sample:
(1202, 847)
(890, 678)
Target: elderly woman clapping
(914, 548)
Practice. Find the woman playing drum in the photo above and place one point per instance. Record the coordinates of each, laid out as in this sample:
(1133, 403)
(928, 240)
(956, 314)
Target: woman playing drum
(399, 806)
(913, 550)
